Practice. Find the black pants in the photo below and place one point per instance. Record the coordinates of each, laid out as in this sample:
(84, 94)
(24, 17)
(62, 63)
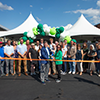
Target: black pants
(58, 67)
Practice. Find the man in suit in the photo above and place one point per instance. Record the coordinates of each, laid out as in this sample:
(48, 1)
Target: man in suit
(45, 54)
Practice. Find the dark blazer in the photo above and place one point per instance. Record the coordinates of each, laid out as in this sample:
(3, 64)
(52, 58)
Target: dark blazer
(44, 55)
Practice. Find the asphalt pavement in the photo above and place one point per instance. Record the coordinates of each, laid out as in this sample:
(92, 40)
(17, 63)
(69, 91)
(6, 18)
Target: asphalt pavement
(72, 87)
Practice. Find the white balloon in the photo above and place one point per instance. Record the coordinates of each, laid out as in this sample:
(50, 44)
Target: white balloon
(34, 37)
(45, 26)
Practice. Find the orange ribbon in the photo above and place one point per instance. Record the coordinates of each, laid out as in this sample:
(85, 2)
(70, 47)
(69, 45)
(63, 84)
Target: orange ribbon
(52, 60)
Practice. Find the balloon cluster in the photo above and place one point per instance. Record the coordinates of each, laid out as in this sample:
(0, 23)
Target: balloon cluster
(46, 30)
(43, 30)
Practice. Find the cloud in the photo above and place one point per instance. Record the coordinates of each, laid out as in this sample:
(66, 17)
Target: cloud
(41, 8)
(31, 6)
(38, 19)
(98, 3)
(5, 7)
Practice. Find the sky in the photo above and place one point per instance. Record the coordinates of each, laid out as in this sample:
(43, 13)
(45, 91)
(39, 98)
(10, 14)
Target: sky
(54, 13)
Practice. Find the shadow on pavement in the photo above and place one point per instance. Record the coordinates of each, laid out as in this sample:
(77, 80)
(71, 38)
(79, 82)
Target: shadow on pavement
(87, 81)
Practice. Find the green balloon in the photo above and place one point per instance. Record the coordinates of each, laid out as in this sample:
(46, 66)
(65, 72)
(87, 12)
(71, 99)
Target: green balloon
(24, 42)
(19, 43)
(35, 31)
(61, 29)
(25, 34)
(40, 26)
(57, 36)
(24, 38)
(52, 31)
(31, 41)
(68, 38)
(42, 33)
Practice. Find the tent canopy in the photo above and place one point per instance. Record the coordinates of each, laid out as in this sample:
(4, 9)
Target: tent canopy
(81, 27)
(25, 26)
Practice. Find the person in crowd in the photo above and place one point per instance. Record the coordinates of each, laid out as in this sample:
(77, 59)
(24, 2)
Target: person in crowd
(37, 46)
(45, 54)
(64, 57)
(22, 49)
(66, 43)
(1, 60)
(72, 56)
(15, 63)
(58, 56)
(27, 54)
(41, 42)
(33, 55)
(51, 44)
(61, 44)
(96, 64)
(98, 58)
(53, 62)
(39, 56)
(96, 45)
(85, 57)
(9, 52)
(91, 54)
(79, 56)
(56, 43)
(99, 41)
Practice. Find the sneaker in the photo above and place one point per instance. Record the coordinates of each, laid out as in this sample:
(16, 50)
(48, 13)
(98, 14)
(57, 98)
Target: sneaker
(73, 73)
(6, 74)
(48, 80)
(64, 73)
(43, 83)
(31, 74)
(12, 74)
(34, 73)
(2, 74)
(69, 72)
(98, 75)
(58, 81)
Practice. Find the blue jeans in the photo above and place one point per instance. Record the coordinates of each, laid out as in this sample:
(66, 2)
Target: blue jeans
(39, 66)
(64, 66)
(72, 65)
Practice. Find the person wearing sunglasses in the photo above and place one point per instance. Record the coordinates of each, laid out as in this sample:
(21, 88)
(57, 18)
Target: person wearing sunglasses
(58, 56)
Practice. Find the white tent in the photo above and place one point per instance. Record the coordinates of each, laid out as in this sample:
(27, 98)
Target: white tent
(81, 27)
(24, 27)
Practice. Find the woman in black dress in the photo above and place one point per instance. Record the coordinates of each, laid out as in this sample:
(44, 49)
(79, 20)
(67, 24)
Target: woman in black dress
(33, 55)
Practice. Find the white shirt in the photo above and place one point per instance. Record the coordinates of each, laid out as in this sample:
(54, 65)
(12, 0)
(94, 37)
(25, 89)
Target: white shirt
(51, 46)
(37, 47)
(48, 52)
(63, 52)
(8, 49)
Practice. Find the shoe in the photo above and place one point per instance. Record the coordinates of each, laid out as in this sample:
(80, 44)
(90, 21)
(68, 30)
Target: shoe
(43, 83)
(26, 74)
(34, 73)
(58, 81)
(53, 73)
(19, 74)
(12, 74)
(31, 74)
(2, 74)
(48, 80)
(6, 74)
(69, 72)
(73, 73)
(98, 75)
(64, 73)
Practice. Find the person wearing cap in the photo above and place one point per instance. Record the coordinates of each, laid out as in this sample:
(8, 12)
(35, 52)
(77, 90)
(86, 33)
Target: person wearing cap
(33, 55)
(22, 49)
(1, 60)
(9, 52)
(72, 56)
